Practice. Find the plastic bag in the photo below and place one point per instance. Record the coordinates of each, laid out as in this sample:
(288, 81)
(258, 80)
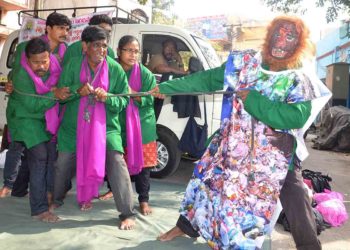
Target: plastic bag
(333, 212)
(327, 195)
(319, 181)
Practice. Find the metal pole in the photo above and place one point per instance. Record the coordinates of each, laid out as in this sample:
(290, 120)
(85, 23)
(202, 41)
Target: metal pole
(36, 7)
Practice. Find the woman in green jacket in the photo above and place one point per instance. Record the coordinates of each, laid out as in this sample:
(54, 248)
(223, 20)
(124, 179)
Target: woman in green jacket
(139, 130)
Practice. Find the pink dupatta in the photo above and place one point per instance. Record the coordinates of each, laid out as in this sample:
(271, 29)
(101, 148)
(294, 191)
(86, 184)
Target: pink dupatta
(133, 126)
(91, 135)
(52, 114)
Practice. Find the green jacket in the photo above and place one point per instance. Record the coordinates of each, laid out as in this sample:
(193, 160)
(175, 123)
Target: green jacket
(76, 49)
(70, 77)
(10, 113)
(27, 114)
(280, 116)
(146, 108)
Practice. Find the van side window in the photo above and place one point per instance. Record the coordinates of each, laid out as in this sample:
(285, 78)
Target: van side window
(153, 47)
(11, 54)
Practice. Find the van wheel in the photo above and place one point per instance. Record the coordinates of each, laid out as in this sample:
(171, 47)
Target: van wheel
(169, 155)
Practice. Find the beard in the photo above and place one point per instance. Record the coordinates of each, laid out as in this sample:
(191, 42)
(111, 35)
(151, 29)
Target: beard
(40, 72)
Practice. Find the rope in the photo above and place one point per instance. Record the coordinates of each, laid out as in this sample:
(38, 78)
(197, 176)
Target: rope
(220, 92)
(34, 95)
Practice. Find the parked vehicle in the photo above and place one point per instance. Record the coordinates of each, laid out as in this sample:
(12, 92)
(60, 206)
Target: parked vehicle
(151, 36)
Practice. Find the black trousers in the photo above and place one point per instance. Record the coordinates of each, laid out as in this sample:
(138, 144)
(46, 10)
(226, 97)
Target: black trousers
(186, 227)
(142, 184)
(20, 187)
(158, 104)
(297, 207)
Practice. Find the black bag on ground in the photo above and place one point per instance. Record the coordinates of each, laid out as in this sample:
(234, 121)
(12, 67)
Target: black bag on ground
(321, 225)
(319, 181)
(194, 137)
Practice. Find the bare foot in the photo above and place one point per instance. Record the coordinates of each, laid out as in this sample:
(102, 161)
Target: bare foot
(106, 196)
(85, 206)
(171, 234)
(53, 206)
(5, 191)
(127, 224)
(47, 217)
(145, 208)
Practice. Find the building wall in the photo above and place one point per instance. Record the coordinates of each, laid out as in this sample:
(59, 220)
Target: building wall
(232, 32)
(9, 17)
(252, 37)
(331, 49)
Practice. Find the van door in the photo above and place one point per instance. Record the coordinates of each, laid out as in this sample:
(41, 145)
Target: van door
(7, 58)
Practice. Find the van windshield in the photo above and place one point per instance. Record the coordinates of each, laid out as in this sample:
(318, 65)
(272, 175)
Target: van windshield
(208, 52)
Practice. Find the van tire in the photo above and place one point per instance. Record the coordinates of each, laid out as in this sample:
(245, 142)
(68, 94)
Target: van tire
(169, 155)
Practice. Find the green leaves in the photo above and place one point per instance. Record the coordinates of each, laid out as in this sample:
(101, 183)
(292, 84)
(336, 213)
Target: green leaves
(143, 2)
(161, 13)
(333, 7)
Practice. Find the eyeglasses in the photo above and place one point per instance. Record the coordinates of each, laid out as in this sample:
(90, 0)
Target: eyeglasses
(131, 51)
(98, 45)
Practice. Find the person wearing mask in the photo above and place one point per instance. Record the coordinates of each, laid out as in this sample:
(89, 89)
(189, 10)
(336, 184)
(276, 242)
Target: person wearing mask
(255, 159)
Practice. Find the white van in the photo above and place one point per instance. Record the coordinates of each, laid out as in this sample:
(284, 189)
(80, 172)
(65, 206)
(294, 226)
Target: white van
(169, 126)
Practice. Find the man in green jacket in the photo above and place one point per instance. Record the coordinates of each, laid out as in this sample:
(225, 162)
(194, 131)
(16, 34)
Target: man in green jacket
(89, 138)
(75, 49)
(35, 119)
(56, 32)
(57, 27)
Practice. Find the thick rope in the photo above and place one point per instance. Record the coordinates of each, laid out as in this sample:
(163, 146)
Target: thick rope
(220, 92)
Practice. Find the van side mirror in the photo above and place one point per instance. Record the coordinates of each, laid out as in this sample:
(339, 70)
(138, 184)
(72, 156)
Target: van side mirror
(195, 65)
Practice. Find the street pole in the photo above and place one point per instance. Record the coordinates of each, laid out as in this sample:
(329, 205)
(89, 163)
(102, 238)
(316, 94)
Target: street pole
(36, 7)
(231, 34)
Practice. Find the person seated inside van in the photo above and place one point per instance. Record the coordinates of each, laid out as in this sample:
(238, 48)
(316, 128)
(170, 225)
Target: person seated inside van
(169, 61)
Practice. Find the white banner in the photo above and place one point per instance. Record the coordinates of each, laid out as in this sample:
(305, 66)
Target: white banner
(34, 27)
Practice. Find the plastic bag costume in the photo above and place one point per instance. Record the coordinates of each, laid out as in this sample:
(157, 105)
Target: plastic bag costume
(232, 195)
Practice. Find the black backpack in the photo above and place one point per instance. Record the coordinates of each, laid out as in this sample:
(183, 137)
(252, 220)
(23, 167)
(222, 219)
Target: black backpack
(318, 180)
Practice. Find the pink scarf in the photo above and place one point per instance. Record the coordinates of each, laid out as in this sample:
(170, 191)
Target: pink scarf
(133, 126)
(61, 47)
(91, 135)
(52, 114)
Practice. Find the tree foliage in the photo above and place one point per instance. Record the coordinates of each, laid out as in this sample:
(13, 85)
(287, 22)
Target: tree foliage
(143, 2)
(161, 13)
(333, 7)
